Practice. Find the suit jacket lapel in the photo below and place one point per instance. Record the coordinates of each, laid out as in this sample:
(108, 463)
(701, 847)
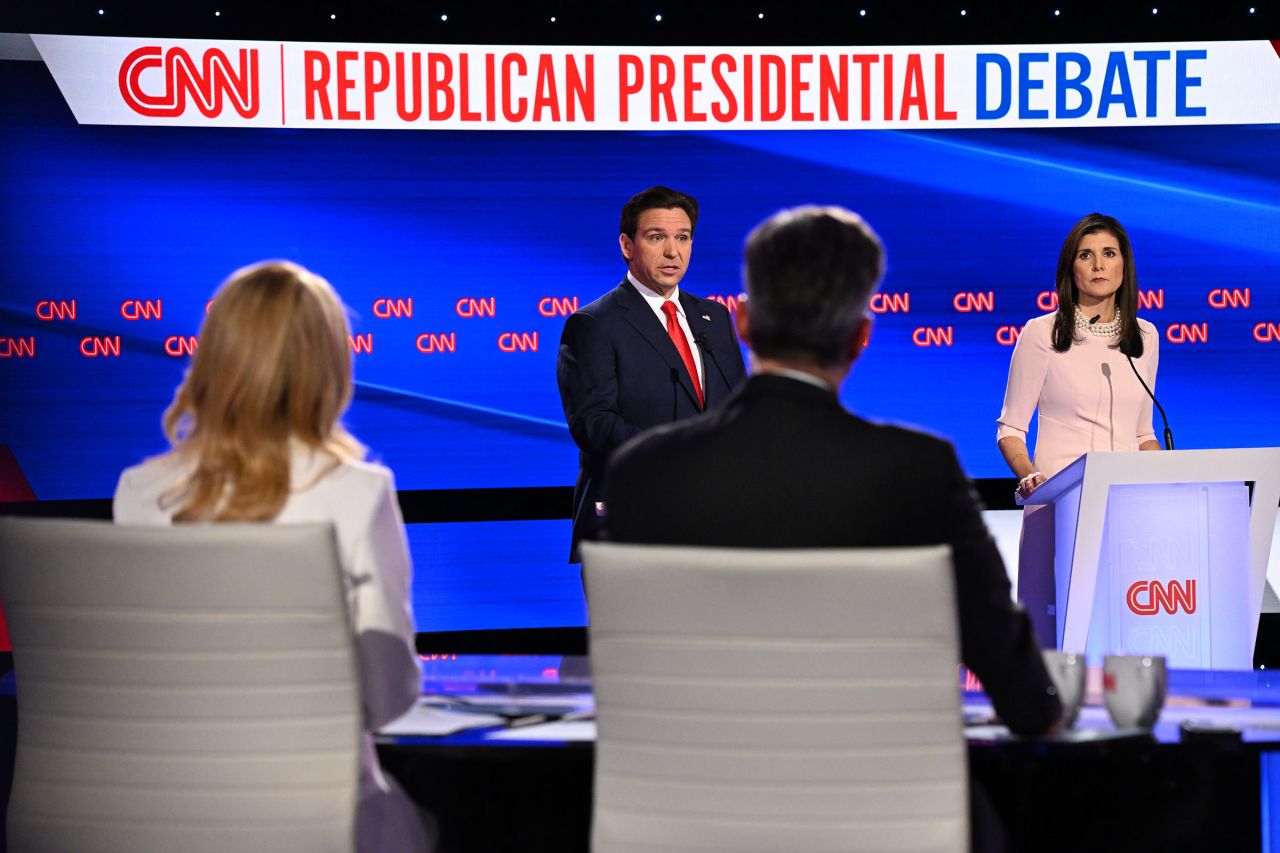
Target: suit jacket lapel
(637, 312)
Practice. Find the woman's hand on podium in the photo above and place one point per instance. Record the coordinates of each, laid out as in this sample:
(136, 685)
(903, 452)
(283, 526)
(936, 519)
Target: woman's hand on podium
(1014, 451)
(1029, 483)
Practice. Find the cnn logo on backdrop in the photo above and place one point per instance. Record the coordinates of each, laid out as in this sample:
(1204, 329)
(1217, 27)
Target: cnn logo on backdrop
(208, 83)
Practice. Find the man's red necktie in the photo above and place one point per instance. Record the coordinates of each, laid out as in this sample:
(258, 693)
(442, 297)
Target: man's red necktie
(682, 346)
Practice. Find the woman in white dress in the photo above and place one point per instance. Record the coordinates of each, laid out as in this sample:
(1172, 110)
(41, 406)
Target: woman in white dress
(1072, 366)
(256, 437)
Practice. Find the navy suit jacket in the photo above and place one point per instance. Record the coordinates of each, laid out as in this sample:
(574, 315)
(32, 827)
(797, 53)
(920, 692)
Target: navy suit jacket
(619, 374)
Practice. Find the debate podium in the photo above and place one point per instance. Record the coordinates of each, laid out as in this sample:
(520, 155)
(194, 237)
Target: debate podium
(1162, 553)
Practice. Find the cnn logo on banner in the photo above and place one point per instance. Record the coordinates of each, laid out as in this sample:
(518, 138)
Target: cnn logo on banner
(207, 83)
(1147, 598)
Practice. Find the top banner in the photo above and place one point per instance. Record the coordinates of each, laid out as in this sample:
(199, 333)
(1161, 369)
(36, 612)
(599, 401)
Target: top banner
(132, 81)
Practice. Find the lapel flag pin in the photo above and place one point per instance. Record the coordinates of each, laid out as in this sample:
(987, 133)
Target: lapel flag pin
(707, 317)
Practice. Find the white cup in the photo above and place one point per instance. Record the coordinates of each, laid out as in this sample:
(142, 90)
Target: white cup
(1133, 687)
(1067, 671)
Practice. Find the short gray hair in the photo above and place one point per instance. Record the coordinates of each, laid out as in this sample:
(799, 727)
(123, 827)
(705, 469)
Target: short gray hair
(809, 274)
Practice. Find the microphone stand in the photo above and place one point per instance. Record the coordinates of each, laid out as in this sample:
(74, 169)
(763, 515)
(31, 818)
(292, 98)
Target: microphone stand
(1168, 434)
(700, 339)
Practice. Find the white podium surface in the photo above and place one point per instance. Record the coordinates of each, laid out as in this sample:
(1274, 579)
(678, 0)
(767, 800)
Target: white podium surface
(1164, 552)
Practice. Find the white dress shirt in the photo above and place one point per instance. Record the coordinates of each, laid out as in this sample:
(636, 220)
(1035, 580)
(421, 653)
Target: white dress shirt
(655, 300)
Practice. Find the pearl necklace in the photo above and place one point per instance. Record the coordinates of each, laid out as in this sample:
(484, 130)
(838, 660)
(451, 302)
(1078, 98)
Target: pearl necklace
(1102, 330)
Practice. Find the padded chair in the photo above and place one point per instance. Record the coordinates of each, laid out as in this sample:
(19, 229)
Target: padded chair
(180, 689)
(788, 700)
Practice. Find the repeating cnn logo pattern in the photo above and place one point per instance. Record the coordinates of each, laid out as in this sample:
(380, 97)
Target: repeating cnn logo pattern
(206, 83)
(1147, 598)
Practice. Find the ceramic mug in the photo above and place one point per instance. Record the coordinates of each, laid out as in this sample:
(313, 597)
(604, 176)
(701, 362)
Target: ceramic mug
(1133, 687)
(1067, 671)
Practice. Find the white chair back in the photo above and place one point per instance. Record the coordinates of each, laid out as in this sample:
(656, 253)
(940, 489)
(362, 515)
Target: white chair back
(775, 700)
(185, 688)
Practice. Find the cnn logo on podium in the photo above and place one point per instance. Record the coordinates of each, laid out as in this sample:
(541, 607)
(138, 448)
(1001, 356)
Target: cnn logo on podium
(1148, 598)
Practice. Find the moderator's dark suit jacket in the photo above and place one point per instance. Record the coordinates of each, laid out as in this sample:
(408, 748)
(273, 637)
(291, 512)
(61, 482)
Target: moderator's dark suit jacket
(782, 464)
(619, 373)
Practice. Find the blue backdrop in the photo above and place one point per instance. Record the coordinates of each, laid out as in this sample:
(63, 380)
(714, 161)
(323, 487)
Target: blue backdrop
(107, 214)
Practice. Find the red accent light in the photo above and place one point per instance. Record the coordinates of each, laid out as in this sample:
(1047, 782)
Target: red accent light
(56, 309)
(891, 303)
(966, 301)
(555, 306)
(180, 345)
(1267, 333)
(387, 308)
(730, 302)
(470, 307)
(141, 309)
(933, 336)
(95, 346)
(1007, 336)
(431, 342)
(1234, 297)
(1149, 299)
(18, 347)
(518, 341)
(1187, 333)
(13, 483)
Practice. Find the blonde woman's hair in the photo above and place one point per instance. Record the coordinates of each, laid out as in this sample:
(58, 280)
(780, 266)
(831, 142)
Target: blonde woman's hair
(273, 366)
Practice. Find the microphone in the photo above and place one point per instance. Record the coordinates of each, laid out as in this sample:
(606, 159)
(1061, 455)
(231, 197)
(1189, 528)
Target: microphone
(1136, 352)
(1095, 318)
(704, 344)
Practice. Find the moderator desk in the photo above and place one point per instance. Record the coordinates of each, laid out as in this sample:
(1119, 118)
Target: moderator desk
(517, 774)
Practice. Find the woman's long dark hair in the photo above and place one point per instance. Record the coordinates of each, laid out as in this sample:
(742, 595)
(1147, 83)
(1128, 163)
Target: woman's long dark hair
(1064, 324)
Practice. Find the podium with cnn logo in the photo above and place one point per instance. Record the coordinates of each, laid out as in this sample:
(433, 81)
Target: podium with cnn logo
(1163, 553)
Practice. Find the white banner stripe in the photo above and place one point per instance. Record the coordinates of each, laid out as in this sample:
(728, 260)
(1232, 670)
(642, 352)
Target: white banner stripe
(131, 81)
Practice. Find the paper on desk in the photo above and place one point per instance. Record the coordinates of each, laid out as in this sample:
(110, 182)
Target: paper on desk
(568, 730)
(424, 719)
(522, 703)
(998, 733)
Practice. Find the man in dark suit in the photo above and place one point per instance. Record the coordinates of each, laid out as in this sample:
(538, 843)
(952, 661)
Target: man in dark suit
(644, 354)
(782, 464)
